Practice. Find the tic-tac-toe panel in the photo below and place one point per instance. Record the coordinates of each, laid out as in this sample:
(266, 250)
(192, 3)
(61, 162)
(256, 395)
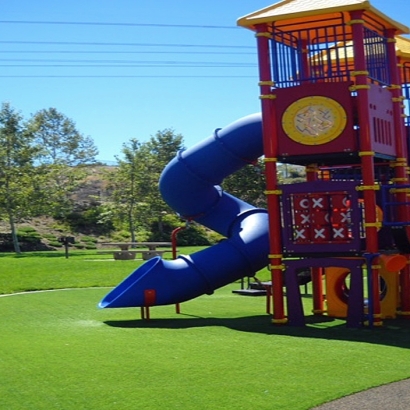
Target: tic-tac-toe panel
(320, 217)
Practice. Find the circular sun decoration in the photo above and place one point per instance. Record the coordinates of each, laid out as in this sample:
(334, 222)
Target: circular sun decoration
(314, 120)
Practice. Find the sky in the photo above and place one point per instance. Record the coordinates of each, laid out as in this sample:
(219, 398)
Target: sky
(124, 69)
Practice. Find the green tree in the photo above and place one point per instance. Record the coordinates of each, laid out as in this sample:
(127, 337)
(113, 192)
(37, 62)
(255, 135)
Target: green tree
(135, 193)
(248, 184)
(125, 185)
(61, 142)
(63, 154)
(160, 150)
(18, 178)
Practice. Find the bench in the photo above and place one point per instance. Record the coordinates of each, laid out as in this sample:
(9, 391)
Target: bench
(130, 255)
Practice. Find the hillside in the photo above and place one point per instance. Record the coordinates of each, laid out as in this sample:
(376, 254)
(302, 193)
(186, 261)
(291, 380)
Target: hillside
(43, 232)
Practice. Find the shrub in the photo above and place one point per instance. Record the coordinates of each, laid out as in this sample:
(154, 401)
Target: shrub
(26, 230)
(88, 239)
(49, 236)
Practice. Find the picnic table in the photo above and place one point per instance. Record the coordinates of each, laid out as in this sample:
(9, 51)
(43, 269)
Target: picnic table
(128, 250)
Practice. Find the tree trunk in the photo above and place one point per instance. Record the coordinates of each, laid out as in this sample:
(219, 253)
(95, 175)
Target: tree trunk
(14, 235)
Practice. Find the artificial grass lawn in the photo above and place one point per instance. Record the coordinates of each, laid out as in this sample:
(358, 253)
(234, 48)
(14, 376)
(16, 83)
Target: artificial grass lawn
(51, 270)
(58, 351)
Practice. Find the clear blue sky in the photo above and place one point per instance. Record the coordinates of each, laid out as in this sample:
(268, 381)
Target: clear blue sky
(121, 81)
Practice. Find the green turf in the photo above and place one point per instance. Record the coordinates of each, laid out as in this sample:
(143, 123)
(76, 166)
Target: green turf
(51, 270)
(58, 351)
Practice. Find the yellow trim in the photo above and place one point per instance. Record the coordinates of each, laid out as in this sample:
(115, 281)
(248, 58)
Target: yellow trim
(274, 192)
(299, 127)
(399, 180)
(394, 87)
(318, 311)
(401, 159)
(267, 96)
(375, 267)
(368, 188)
(270, 159)
(359, 87)
(355, 73)
(273, 256)
(366, 153)
(397, 190)
(403, 313)
(356, 21)
(280, 321)
(372, 225)
(266, 83)
(403, 116)
(281, 267)
(398, 99)
(264, 34)
(394, 164)
(391, 40)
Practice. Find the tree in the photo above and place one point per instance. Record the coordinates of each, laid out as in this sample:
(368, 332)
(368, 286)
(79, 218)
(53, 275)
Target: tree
(135, 184)
(64, 151)
(18, 178)
(248, 184)
(61, 142)
(161, 149)
(125, 184)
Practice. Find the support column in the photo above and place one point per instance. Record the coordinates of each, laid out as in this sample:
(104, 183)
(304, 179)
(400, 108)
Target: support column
(270, 143)
(401, 163)
(316, 272)
(369, 187)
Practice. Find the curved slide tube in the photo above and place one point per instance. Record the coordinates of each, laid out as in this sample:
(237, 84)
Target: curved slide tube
(190, 185)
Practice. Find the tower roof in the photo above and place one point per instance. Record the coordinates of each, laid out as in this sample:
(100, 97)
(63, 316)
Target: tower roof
(290, 10)
(403, 47)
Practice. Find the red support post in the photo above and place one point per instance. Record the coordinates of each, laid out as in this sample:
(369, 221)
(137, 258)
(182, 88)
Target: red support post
(270, 142)
(401, 163)
(174, 256)
(367, 155)
(316, 273)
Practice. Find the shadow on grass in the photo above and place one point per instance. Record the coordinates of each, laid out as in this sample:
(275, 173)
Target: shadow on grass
(393, 333)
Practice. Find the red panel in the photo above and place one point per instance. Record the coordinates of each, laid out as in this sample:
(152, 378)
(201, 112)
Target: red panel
(381, 120)
(341, 216)
(320, 218)
(345, 143)
(340, 201)
(301, 234)
(320, 234)
(302, 218)
(319, 201)
(300, 202)
(340, 233)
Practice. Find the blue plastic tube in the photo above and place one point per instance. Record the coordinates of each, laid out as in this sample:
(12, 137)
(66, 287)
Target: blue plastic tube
(190, 185)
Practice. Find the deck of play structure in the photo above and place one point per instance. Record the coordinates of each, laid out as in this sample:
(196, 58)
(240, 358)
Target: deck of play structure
(334, 80)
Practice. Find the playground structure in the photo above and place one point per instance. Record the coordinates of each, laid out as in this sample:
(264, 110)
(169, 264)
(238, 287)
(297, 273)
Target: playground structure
(334, 84)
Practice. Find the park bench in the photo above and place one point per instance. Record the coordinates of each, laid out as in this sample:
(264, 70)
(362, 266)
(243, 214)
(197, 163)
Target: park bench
(129, 250)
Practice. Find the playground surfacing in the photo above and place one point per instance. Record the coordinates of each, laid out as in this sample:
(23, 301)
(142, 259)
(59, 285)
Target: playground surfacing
(58, 349)
(390, 396)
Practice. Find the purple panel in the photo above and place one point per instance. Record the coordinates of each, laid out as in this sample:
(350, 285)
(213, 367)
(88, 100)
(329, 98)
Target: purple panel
(320, 187)
(356, 300)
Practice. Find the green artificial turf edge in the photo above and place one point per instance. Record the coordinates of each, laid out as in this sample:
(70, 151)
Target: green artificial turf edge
(60, 351)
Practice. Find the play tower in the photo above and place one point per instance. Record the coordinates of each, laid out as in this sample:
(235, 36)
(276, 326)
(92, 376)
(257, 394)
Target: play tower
(334, 79)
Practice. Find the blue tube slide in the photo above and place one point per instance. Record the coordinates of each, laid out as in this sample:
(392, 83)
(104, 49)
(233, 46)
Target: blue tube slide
(190, 185)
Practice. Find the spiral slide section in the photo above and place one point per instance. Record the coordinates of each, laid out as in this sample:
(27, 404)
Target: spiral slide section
(190, 185)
